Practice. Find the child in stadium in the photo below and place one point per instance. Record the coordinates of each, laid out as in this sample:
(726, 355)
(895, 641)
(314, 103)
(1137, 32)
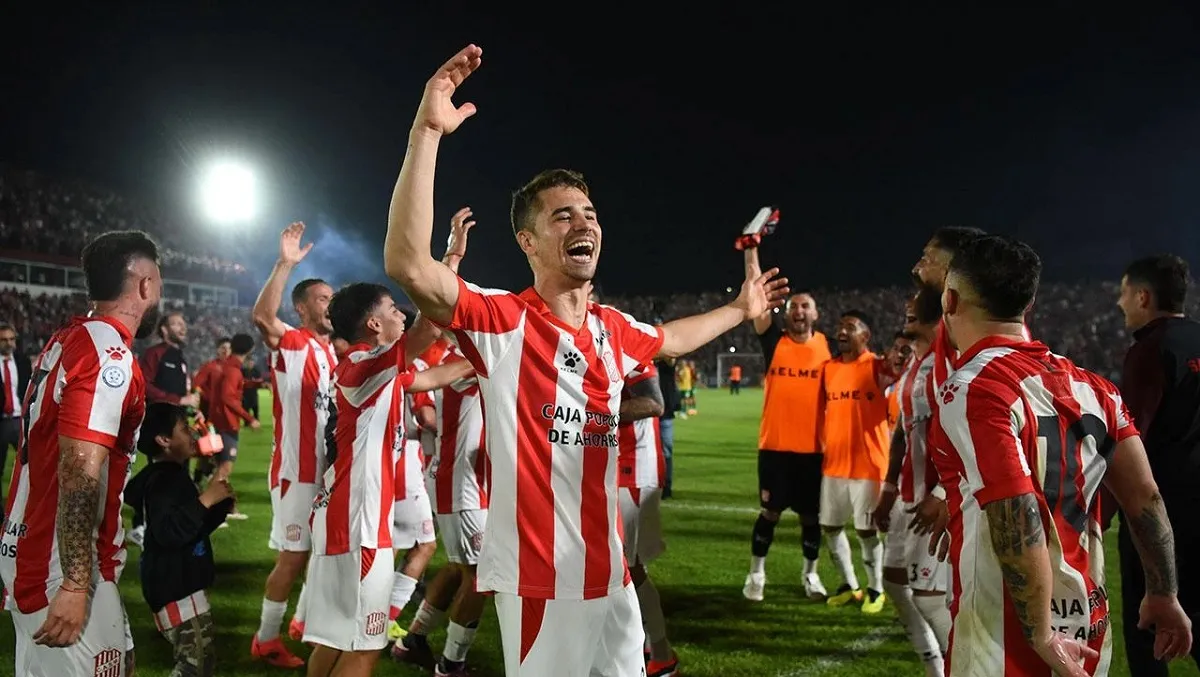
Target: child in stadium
(177, 561)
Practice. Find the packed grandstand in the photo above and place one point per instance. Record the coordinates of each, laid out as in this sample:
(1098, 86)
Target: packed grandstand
(45, 222)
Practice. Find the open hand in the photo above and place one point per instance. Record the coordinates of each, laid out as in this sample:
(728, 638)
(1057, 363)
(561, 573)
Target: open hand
(290, 250)
(438, 113)
(761, 292)
(1064, 656)
(460, 225)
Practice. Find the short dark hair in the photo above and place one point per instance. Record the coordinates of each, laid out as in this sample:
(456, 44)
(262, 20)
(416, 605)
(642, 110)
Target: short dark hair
(224, 339)
(858, 315)
(5, 326)
(105, 259)
(160, 419)
(1004, 273)
(300, 291)
(952, 238)
(350, 306)
(241, 344)
(900, 335)
(525, 199)
(1167, 278)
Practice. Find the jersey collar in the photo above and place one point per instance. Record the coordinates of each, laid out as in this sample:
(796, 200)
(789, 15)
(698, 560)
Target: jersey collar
(537, 304)
(999, 342)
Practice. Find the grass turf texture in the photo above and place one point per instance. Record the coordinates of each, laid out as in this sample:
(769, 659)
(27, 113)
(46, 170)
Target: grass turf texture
(715, 631)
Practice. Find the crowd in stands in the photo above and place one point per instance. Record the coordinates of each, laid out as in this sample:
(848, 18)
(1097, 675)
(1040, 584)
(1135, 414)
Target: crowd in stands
(1078, 320)
(1081, 321)
(36, 318)
(43, 217)
(56, 218)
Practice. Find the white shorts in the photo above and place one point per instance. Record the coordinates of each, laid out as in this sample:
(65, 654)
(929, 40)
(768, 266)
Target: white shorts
(291, 529)
(905, 550)
(842, 499)
(348, 599)
(103, 649)
(572, 638)
(641, 521)
(412, 521)
(462, 534)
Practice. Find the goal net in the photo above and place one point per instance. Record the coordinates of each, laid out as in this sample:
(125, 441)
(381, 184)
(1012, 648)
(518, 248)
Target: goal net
(752, 364)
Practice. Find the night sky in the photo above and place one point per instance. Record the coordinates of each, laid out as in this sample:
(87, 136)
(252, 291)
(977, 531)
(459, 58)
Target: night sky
(869, 128)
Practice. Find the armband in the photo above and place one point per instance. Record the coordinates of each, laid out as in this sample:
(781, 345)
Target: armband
(938, 492)
(889, 487)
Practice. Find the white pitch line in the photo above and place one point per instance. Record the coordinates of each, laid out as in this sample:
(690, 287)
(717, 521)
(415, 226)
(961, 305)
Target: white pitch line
(709, 507)
(856, 649)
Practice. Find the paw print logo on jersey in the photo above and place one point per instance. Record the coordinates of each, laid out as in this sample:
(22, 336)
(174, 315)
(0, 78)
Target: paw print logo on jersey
(572, 361)
(926, 572)
(115, 353)
(948, 391)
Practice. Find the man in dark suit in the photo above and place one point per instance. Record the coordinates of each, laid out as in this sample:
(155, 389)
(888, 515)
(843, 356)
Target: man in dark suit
(14, 379)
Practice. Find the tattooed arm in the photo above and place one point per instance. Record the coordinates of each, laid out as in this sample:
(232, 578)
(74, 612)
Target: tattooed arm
(1020, 544)
(1133, 487)
(80, 464)
(644, 400)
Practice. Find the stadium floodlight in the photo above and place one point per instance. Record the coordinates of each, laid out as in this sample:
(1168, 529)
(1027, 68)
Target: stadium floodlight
(227, 193)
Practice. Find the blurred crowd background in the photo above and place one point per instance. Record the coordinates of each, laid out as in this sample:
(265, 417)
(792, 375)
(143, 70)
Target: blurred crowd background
(44, 220)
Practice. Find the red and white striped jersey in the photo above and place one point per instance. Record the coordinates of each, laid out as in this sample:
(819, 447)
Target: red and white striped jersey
(1016, 419)
(457, 478)
(355, 504)
(641, 462)
(301, 369)
(86, 385)
(917, 474)
(551, 395)
(946, 357)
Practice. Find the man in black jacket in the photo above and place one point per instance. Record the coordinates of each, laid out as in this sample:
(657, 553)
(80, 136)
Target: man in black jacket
(177, 563)
(1161, 387)
(14, 379)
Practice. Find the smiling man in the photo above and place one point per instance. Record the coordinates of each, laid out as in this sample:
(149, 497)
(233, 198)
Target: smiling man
(551, 369)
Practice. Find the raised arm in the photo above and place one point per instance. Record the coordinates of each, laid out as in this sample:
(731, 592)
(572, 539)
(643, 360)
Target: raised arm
(407, 259)
(425, 332)
(1133, 486)
(761, 292)
(645, 400)
(761, 322)
(266, 309)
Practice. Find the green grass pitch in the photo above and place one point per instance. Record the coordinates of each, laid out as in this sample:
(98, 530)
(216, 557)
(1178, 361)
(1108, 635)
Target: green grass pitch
(707, 523)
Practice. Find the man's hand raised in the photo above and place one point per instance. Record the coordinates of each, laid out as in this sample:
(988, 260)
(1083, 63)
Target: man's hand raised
(437, 113)
(290, 250)
(460, 225)
(761, 292)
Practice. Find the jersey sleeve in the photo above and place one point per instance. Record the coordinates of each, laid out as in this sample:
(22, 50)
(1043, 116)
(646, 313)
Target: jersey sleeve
(1119, 421)
(292, 339)
(364, 372)
(981, 427)
(485, 323)
(638, 341)
(99, 371)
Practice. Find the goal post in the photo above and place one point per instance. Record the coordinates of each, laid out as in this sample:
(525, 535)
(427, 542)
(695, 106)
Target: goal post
(753, 366)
